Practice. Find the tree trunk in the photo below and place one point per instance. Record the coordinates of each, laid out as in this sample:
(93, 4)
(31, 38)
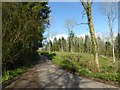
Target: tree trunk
(93, 39)
(113, 54)
(113, 49)
(71, 50)
(61, 45)
(87, 8)
(111, 36)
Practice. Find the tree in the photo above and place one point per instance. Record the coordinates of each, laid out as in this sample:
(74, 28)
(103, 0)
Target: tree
(108, 48)
(87, 7)
(110, 10)
(49, 46)
(117, 46)
(69, 24)
(76, 44)
(81, 44)
(21, 37)
(62, 44)
(55, 45)
(101, 46)
(87, 44)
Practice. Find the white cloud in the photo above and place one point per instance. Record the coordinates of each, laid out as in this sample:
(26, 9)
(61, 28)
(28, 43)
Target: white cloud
(101, 35)
(61, 35)
(81, 35)
(58, 36)
(65, 36)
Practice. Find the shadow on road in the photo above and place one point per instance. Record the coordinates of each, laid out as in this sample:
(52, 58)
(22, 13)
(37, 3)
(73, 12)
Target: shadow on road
(43, 59)
(47, 75)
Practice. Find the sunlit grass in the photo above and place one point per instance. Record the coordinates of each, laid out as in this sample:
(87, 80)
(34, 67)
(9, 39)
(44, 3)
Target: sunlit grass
(82, 63)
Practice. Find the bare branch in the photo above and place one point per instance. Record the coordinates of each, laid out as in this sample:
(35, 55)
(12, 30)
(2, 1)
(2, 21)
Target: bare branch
(84, 23)
(77, 24)
(84, 5)
(92, 2)
(114, 18)
(89, 3)
(83, 13)
(70, 23)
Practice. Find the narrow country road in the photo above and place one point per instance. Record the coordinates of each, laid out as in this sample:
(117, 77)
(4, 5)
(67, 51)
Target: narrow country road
(46, 75)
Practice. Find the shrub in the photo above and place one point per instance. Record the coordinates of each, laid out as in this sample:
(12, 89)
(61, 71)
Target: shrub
(106, 76)
(47, 54)
(66, 64)
(118, 78)
(85, 72)
(11, 73)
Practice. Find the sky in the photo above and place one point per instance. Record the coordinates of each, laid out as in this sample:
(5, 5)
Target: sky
(61, 11)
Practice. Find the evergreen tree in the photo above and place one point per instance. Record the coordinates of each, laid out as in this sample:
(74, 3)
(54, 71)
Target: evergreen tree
(101, 46)
(23, 25)
(117, 46)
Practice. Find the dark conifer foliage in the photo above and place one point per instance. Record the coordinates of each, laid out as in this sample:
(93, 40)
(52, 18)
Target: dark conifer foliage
(23, 25)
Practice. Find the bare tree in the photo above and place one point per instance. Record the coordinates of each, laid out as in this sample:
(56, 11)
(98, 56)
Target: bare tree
(69, 24)
(87, 7)
(49, 36)
(110, 10)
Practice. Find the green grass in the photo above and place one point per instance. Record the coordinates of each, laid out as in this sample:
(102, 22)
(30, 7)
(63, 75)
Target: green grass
(28, 60)
(11, 73)
(82, 63)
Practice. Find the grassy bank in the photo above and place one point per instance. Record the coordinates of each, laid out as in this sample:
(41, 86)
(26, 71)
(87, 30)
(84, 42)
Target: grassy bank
(83, 64)
(25, 62)
(11, 73)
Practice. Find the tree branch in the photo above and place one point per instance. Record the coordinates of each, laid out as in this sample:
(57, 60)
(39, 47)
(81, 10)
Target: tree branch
(84, 5)
(84, 23)
(89, 3)
(83, 13)
(114, 18)
(92, 2)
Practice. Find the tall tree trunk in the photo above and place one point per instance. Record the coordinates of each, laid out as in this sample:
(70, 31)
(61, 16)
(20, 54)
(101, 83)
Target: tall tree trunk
(71, 45)
(113, 54)
(113, 49)
(49, 39)
(87, 6)
(111, 37)
(93, 39)
(61, 45)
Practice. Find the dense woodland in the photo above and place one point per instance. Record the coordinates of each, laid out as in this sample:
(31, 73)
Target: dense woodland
(23, 25)
(84, 45)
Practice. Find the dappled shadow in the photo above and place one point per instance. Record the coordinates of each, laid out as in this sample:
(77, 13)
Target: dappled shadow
(58, 78)
(45, 56)
(63, 80)
(47, 75)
